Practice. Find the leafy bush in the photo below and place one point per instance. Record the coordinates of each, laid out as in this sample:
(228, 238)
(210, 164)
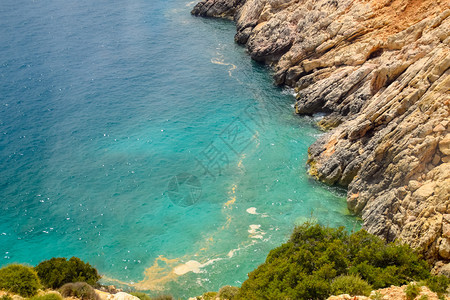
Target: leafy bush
(376, 296)
(6, 297)
(140, 295)
(228, 292)
(144, 296)
(438, 284)
(49, 296)
(412, 290)
(305, 266)
(353, 285)
(209, 295)
(56, 272)
(19, 279)
(163, 297)
(80, 290)
(423, 297)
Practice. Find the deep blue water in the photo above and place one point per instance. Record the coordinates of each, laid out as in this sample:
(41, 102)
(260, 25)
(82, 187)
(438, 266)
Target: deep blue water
(138, 137)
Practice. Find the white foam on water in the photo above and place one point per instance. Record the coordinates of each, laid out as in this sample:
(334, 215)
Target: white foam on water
(252, 210)
(289, 91)
(256, 232)
(253, 228)
(232, 252)
(190, 266)
(193, 266)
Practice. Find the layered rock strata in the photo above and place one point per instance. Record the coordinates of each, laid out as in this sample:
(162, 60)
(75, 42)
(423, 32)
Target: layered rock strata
(379, 70)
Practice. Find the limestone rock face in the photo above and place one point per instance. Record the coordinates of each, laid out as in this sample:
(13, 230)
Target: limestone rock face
(380, 71)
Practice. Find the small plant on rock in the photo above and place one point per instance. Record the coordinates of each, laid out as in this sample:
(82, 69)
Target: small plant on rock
(6, 297)
(412, 290)
(353, 285)
(423, 297)
(209, 296)
(49, 296)
(164, 297)
(141, 296)
(376, 296)
(438, 284)
(228, 292)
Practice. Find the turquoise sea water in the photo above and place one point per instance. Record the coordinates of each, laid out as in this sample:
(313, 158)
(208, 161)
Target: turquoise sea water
(143, 140)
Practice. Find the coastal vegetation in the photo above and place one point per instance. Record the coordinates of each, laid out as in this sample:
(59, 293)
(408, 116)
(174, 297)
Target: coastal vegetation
(144, 296)
(73, 278)
(209, 296)
(315, 263)
(350, 284)
(228, 292)
(62, 278)
(412, 291)
(56, 272)
(49, 296)
(80, 290)
(438, 284)
(318, 261)
(19, 279)
(140, 295)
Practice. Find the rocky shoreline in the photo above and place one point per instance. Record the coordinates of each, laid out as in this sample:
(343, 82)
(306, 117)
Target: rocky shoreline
(380, 71)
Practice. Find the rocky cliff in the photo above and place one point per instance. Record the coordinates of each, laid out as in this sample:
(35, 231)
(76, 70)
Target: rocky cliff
(379, 70)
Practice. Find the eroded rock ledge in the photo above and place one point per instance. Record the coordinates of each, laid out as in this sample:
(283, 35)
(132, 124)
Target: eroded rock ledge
(380, 71)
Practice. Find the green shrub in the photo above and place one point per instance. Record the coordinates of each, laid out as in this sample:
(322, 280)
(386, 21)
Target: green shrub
(209, 295)
(376, 296)
(353, 285)
(140, 295)
(164, 297)
(80, 290)
(438, 284)
(228, 292)
(423, 297)
(306, 265)
(49, 296)
(19, 279)
(412, 290)
(6, 297)
(56, 272)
